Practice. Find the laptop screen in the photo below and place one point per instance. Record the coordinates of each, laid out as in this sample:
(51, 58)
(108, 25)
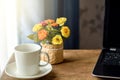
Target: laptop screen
(111, 37)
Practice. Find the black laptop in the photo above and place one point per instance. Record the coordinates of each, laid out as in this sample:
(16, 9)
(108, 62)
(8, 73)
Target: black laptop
(108, 64)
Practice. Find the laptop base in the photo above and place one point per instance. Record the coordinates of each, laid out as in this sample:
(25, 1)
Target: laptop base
(106, 71)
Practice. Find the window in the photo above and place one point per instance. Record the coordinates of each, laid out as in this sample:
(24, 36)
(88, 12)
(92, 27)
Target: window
(8, 30)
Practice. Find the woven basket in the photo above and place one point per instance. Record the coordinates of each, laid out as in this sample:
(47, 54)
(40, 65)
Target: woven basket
(55, 53)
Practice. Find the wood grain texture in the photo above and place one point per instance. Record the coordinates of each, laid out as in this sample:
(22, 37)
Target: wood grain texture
(77, 65)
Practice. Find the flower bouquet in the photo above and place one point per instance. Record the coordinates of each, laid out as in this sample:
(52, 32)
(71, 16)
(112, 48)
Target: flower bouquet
(51, 35)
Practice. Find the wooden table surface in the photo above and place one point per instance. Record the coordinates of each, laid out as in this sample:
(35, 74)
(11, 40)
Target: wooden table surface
(77, 65)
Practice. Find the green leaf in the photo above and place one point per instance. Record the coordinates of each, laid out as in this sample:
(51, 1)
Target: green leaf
(33, 37)
(36, 38)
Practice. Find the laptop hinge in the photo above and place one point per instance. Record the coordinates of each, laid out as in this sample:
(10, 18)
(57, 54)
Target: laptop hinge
(113, 49)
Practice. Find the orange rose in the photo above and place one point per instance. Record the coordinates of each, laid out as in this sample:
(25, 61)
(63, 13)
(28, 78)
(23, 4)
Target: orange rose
(50, 21)
(54, 24)
(42, 34)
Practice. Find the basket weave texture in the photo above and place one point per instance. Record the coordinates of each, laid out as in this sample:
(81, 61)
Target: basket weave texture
(55, 53)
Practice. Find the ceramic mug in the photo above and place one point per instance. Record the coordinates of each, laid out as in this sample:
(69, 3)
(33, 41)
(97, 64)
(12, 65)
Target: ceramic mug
(27, 57)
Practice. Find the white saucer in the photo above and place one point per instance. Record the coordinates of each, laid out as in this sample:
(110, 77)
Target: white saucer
(11, 71)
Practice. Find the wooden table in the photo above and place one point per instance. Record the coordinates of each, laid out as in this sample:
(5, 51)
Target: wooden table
(77, 65)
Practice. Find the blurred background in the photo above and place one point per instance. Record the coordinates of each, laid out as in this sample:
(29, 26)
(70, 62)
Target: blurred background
(85, 20)
(17, 17)
(91, 23)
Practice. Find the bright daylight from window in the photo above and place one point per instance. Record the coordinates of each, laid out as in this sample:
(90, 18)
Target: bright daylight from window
(8, 30)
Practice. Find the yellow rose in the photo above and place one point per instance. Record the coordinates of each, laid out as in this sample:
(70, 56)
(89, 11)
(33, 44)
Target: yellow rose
(37, 27)
(65, 31)
(61, 21)
(57, 40)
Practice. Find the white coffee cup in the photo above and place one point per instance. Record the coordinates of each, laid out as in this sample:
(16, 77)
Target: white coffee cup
(27, 57)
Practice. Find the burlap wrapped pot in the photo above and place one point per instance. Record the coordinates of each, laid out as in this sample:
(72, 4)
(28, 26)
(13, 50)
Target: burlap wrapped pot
(55, 53)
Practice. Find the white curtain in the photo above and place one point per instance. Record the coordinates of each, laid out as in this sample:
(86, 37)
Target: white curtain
(32, 12)
(8, 30)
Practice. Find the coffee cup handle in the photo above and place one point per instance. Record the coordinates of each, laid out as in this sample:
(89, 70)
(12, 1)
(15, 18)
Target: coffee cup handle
(48, 59)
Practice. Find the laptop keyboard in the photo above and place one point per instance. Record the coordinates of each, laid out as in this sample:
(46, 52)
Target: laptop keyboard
(111, 58)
